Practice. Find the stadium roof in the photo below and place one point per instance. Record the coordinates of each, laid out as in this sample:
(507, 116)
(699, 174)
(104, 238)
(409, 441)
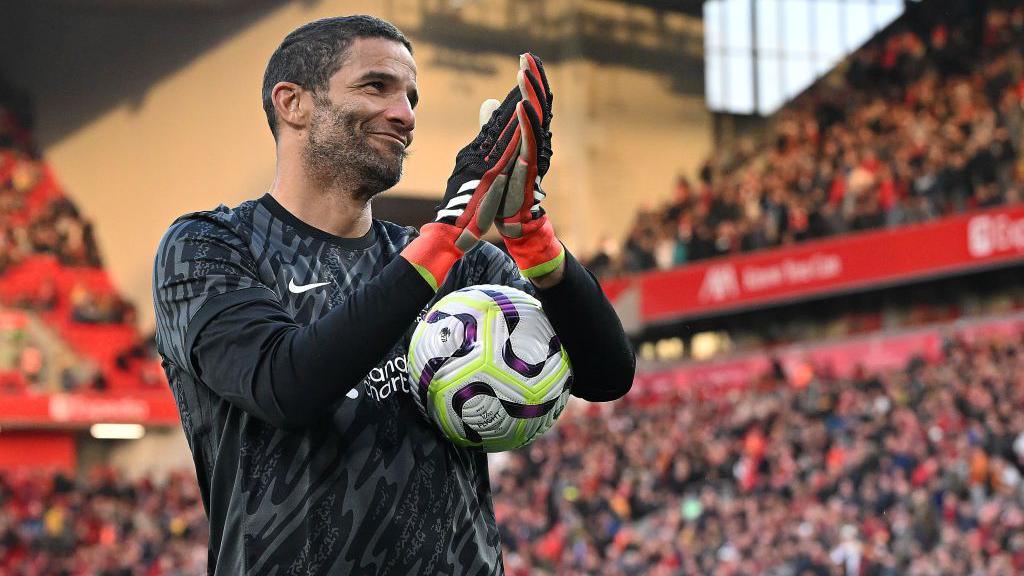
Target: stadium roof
(690, 7)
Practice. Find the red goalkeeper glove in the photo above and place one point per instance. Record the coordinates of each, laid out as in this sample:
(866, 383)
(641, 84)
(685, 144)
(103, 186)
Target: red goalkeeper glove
(528, 234)
(472, 197)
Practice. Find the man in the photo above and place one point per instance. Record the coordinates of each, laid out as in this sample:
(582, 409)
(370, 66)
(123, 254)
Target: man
(284, 322)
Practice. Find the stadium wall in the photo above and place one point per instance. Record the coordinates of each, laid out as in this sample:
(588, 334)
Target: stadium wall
(46, 449)
(197, 136)
(160, 452)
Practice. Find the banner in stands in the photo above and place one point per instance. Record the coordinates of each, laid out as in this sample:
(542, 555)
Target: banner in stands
(799, 363)
(76, 410)
(817, 268)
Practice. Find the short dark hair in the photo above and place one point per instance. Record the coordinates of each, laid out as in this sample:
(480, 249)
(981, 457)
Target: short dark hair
(312, 53)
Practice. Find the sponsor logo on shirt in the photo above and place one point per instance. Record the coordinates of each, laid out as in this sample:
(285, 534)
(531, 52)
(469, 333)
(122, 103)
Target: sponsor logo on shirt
(388, 378)
(391, 376)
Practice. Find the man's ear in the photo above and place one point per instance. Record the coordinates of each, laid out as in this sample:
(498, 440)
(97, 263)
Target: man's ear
(293, 104)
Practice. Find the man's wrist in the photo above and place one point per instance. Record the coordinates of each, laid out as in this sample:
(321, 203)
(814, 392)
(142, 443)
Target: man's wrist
(550, 279)
(434, 252)
(537, 253)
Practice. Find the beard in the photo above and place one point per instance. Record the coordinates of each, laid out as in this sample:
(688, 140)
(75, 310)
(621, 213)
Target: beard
(339, 154)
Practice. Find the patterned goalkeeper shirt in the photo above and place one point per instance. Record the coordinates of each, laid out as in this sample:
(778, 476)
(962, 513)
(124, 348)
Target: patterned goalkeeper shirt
(280, 344)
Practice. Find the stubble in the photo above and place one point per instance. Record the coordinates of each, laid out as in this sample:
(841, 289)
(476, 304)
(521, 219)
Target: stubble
(339, 154)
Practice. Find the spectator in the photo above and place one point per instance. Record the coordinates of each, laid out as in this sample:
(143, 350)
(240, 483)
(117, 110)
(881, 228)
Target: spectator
(50, 524)
(919, 127)
(913, 471)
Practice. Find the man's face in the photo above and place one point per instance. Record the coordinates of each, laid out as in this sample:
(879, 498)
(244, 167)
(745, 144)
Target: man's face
(361, 127)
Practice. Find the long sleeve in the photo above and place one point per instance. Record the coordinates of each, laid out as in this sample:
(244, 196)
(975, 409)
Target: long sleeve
(254, 355)
(602, 359)
(217, 321)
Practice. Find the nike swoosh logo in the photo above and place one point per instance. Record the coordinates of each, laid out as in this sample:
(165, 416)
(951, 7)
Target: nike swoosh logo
(296, 289)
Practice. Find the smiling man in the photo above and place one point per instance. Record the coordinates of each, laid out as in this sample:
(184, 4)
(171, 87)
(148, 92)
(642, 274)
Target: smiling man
(283, 322)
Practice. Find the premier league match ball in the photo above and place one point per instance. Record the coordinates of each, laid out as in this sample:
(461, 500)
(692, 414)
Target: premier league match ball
(488, 369)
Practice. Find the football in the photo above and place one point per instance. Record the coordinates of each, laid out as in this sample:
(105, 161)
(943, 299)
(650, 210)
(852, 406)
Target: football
(488, 369)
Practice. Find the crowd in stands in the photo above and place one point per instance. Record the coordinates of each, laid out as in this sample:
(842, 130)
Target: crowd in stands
(38, 221)
(142, 359)
(913, 472)
(103, 525)
(58, 228)
(30, 359)
(21, 353)
(919, 124)
(103, 308)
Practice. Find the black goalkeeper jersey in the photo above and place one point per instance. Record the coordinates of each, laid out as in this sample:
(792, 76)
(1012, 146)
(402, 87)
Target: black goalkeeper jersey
(370, 488)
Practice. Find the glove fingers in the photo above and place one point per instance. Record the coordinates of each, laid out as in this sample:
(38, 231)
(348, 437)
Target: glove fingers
(487, 200)
(494, 198)
(530, 80)
(499, 120)
(488, 108)
(533, 71)
(530, 126)
(504, 139)
(544, 108)
(534, 88)
(520, 191)
(529, 90)
(532, 64)
(505, 110)
(520, 197)
(490, 203)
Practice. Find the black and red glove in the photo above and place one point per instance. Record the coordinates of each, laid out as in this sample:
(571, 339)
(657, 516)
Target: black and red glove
(473, 195)
(528, 234)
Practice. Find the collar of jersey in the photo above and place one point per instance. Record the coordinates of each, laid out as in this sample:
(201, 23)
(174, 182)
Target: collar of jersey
(360, 243)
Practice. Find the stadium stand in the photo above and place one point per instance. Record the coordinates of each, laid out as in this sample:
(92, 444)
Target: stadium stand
(51, 277)
(103, 524)
(913, 471)
(910, 471)
(921, 125)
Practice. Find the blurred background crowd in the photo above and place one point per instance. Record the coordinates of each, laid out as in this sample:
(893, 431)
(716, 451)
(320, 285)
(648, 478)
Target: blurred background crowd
(920, 124)
(104, 524)
(911, 472)
(914, 471)
(45, 242)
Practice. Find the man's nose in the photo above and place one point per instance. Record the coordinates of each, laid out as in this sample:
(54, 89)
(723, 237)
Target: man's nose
(401, 114)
